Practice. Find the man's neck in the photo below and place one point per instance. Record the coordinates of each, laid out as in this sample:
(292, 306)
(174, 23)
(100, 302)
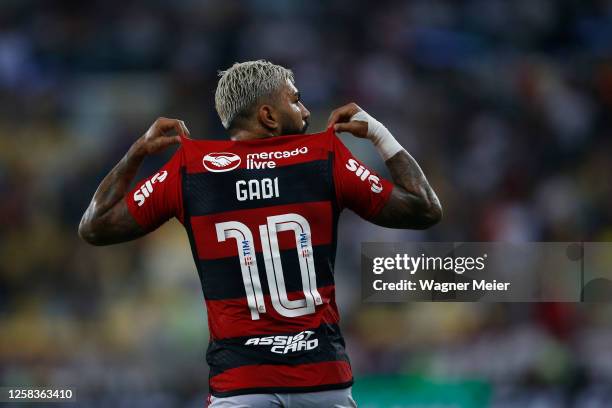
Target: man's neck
(246, 134)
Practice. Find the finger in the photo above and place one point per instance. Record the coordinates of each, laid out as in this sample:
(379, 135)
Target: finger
(351, 127)
(181, 129)
(185, 130)
(332, 118)
(167, 124)
(343, 114)
(339, 115)
(178, 127)
(168, 140)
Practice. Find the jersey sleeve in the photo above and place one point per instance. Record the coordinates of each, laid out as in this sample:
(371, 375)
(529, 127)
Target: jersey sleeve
(357, 187)
(156, 199)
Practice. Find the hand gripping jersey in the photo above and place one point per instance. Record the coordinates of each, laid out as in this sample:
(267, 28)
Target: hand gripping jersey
(261, 218)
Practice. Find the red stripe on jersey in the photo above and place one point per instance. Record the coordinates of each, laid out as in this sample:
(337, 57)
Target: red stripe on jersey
(232, 318)
(268, 376)
(318, 214)
(281, 150)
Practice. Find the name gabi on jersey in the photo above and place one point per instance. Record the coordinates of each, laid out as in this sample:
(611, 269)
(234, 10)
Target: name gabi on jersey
(255, 189)
(365, 174)
(146, 189)
(286, 344)
(266, 160)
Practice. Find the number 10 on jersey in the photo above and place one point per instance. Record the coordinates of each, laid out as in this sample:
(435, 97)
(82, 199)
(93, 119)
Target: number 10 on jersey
(272, 260)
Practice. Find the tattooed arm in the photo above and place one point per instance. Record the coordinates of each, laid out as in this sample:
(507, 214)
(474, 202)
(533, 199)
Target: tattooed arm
(413, 203)
(107, 219)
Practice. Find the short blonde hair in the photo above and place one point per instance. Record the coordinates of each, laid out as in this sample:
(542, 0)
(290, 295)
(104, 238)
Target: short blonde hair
(245, 83)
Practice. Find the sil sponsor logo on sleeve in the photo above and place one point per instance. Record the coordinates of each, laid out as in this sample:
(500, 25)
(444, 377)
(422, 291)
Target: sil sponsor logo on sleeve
(146, 189)
(364, 174)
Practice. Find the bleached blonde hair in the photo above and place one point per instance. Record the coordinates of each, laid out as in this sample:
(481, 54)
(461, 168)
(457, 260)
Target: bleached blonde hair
(244, 84)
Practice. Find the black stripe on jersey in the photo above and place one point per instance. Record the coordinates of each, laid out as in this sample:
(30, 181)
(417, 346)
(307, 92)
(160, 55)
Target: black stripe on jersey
(222, 278)
(209, 193)
(225, 354)
(187, 224)
(335, 212)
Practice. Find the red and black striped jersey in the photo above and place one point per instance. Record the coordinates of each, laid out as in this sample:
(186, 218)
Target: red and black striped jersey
(261, 217)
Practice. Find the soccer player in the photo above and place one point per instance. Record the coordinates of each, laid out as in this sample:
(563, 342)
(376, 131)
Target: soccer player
(261, 211)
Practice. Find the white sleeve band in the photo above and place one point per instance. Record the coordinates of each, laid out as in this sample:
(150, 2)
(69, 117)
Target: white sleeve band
(380, 136)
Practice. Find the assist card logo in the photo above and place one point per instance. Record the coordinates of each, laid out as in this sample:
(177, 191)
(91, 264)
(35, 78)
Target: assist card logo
(222, 161)
(303, 341)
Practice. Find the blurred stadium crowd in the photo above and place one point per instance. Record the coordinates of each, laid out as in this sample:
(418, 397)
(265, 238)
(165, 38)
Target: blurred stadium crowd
(505, 104)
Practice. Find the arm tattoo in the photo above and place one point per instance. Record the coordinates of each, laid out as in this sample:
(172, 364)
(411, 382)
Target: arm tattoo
(413, 203)
(107, 219)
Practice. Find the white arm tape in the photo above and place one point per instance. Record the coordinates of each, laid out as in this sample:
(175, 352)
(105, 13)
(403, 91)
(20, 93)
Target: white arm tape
(382, 139)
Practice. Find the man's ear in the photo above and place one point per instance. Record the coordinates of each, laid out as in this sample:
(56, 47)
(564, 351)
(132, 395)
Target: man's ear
(267, 117)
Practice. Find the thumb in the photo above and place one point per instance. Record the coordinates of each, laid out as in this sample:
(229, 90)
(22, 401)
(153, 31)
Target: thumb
(167, 141)
(163, 142)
